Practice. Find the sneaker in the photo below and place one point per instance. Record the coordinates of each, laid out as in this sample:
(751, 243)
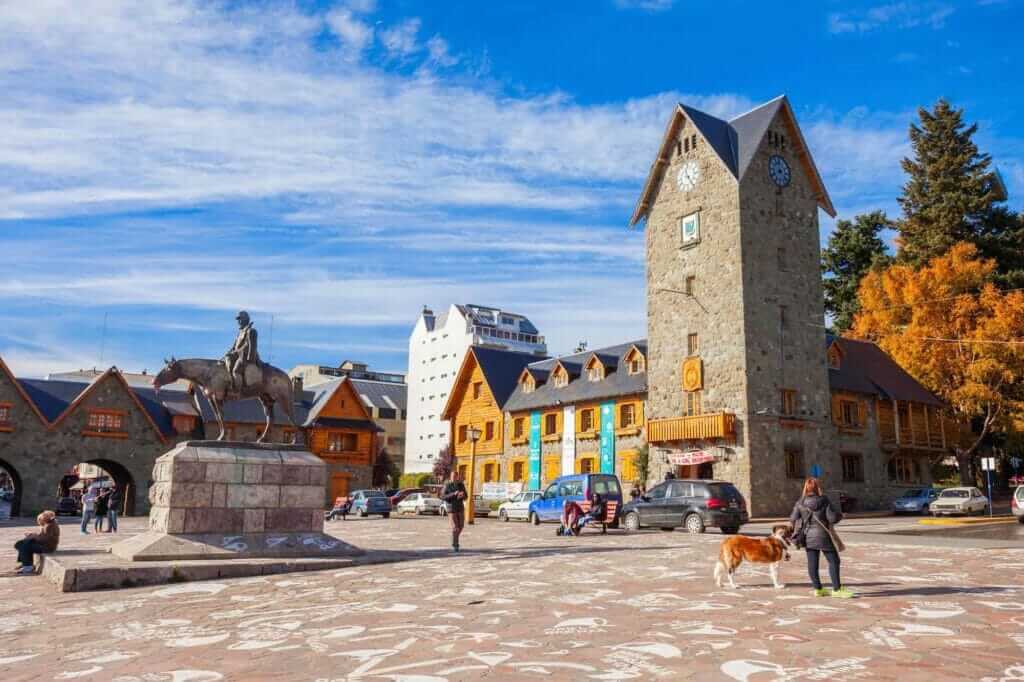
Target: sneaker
(821, 592)
(455, 548)
(26, 570)
(842, 593)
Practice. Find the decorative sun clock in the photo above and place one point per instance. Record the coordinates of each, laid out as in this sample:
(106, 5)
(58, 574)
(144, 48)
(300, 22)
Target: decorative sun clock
(688, 176)
(778, 170)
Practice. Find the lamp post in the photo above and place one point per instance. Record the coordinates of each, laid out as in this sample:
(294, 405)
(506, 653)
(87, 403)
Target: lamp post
(473, 434)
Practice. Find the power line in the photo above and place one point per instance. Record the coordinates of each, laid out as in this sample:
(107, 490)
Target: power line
(940, 300)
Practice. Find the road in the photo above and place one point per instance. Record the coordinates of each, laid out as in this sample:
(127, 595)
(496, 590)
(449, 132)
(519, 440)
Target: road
(519, 603)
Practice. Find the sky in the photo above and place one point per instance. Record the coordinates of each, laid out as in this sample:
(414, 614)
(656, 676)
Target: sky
(331, 167)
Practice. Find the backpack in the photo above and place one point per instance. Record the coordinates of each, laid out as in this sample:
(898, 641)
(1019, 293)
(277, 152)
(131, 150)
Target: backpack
(803, 522)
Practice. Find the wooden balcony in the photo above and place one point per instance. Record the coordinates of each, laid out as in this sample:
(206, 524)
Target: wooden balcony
(913, 425)
(700, 427)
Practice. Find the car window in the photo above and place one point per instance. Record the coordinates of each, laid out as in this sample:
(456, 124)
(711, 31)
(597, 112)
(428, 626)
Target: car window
(724, 490)
(954, 493)
(657, 492)
(600, 486)
(551, 492)
(611, 485)
(682, 489)
(913, 493)
(573, 488)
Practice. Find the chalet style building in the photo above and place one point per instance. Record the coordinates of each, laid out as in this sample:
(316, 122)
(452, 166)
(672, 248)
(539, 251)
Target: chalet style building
(115, 421)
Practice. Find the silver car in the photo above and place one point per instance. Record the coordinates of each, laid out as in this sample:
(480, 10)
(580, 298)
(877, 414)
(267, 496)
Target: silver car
(519, 506)
(964, 500)
(1017, 504)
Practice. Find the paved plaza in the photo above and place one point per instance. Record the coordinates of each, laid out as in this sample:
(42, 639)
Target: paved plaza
(520, 603)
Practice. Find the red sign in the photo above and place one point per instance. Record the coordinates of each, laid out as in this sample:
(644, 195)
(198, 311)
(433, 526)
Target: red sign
(688, 458)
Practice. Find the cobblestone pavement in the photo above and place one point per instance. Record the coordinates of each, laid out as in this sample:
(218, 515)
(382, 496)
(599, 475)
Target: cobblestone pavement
(520, 603)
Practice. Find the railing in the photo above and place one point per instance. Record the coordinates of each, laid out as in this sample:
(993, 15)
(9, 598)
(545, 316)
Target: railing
(699, 427)
(919, 426)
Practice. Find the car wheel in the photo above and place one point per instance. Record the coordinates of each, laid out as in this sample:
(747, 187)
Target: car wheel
(729, 530)
(419, 510)
(925, 509)
(534, 519)
(632, 522)
(694, 524)
(503, 516)
(1020, 519)
(386, 515)
(361, 513)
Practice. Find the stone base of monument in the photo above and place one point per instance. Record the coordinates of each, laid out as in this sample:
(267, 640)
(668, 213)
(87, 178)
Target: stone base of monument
(213, 500)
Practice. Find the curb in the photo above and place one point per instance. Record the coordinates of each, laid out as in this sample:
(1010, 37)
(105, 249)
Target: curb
(967, 521)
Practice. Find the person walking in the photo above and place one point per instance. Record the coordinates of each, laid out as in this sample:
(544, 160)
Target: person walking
(88, 507)
(114, 502)
(100, 510)
(817, 514)
(455, 494)
(42, 542)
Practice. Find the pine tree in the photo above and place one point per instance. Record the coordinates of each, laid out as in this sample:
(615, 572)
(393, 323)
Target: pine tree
(952, 193)
(854, 248)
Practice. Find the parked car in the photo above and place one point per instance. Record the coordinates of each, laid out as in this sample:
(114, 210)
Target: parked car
(575, 487)
(419, 503)
(482, 505)
(916, 501)
(366, 502)
(69, 506)
(1017, 503)
(519, 506)
(692, 504)
(965, 501)
(400, 495)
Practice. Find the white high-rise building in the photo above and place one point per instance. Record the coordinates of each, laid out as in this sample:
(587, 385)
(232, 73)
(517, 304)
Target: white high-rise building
(437, 347)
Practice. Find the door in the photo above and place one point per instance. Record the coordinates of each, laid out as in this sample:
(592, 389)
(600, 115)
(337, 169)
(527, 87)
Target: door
(677, 501)
(653, 511)
(339, 486)
(546, 505)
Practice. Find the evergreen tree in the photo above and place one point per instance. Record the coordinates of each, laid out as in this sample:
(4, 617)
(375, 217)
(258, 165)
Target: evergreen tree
(854, 248)
(952, 194)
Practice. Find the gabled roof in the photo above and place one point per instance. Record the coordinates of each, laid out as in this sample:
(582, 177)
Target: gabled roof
(250, 411)
(322, 395)
(866, 368)
(735, 142)
(381, 394)
(501, 370)
(5, 370)
(615, 383)
(132, 393)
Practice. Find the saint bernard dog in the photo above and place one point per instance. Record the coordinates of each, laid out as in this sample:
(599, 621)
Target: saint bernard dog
(771, 550)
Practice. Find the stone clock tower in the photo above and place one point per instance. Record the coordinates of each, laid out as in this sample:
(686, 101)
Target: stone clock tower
(738, 383)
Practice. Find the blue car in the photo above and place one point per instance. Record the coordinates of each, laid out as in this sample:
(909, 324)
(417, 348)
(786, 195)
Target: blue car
(916, 501)
(366, 502)
(576, 487)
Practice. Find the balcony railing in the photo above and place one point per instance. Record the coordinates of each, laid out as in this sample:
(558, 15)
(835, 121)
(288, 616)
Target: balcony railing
(699, 427)
(913, 425)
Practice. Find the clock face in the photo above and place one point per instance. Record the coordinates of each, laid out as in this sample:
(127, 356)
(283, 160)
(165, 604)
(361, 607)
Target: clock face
(778, 169)
(689, 176)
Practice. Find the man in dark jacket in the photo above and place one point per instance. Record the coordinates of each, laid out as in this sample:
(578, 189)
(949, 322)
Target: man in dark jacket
(817, 514)
(455, 494)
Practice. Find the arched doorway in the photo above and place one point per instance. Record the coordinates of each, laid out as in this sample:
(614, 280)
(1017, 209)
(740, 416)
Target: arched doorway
(104, 472)
(10, 490)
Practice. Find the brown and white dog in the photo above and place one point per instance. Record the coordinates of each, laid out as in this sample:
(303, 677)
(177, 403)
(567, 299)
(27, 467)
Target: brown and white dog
(772, 550)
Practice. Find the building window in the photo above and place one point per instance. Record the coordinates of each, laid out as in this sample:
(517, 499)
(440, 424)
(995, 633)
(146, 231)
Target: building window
(490, 472)
(587, 465)
(387, 413)
(686, 144)
(627, 415)
(853, 467)
(690, 285)
(288, 436)
(518, 427)
(636, 363)
(849, 413)
(794, 462)
(489, 431)
(5, 413)
(463, 433)
(550, 424)
(693, 141)
(561, 378)
(477, 389)
(692, 344)
(528, 384)
(105, 422)
(586, 421)
(904, 470)
(341, 442)
(595, 373)
(780, 255)
(518, 472)
(834, 357)
(784, 316)
(787, 405)
(694, 403)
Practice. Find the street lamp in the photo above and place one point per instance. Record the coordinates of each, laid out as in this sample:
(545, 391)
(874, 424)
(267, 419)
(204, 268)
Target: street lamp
(473, 434)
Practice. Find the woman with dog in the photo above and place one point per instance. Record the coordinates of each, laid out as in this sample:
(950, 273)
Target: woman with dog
(817, 514)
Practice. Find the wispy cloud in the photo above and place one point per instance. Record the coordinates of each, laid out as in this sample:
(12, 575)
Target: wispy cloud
(899, 15)
(646, 5)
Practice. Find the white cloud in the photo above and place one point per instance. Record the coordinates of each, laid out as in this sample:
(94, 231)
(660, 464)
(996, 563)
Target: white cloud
(437, 47)
(646, 5)
(901, 15)
(400, 40)
(353, 33)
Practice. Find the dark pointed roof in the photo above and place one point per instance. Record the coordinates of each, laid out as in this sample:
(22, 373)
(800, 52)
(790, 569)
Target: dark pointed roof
(501, 369)
(750, 129)
(866, 368)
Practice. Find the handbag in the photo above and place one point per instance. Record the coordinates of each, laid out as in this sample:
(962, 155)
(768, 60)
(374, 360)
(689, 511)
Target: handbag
(832, 534)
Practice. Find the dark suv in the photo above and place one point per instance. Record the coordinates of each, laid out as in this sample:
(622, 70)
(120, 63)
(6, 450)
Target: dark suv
(692, 504)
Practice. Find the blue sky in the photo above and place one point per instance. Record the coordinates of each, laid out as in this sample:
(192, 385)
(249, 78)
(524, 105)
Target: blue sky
(333, 166)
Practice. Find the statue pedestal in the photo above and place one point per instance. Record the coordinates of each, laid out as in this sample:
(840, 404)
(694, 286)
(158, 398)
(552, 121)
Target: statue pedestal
(224, 500)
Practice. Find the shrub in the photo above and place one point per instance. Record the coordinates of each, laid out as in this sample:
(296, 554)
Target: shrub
(415, 480)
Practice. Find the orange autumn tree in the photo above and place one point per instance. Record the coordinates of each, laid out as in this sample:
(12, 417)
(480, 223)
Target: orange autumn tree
(956, 333)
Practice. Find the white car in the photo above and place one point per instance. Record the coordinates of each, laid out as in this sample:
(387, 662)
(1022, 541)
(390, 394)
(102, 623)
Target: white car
(419, 503)
(959, 501)
(518, 506)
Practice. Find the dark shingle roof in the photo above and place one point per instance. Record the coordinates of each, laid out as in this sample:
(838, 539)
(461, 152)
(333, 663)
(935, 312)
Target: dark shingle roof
(615, 383)
(717, 132)
(52, 397)
(382, 394)
(250, 411)
(749, 130)
(501, 369)
(866, 368)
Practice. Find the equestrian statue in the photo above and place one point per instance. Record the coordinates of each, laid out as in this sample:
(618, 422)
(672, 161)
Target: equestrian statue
(239, 375)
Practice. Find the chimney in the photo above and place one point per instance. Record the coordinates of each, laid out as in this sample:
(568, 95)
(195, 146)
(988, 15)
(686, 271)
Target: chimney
(297, 385)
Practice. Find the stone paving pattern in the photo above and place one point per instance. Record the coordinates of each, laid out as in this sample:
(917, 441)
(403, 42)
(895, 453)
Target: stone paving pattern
(519, 603)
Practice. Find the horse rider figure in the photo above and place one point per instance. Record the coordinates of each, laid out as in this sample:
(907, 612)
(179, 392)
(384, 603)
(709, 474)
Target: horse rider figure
(242, 353)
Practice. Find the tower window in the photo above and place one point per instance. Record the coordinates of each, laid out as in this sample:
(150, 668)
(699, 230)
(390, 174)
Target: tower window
(787, 397)
(694, 403)
(692, 344)
(689, 285)
(783, 316)
(693, 142)
(781, 255)
(686, 145)
(794, 462)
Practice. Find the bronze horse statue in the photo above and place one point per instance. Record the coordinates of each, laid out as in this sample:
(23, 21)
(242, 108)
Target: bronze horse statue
(266, 382)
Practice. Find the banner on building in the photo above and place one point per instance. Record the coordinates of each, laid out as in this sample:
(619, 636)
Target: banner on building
(568, 440)
(534, 482)
(500, 491)
(608, 437)
(690, 458)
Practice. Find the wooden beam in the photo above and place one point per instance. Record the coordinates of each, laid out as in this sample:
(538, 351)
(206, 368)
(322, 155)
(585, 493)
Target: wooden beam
(896, 419)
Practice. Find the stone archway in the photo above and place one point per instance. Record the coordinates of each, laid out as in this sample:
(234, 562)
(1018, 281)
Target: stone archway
(124, 481)
(5, 467)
